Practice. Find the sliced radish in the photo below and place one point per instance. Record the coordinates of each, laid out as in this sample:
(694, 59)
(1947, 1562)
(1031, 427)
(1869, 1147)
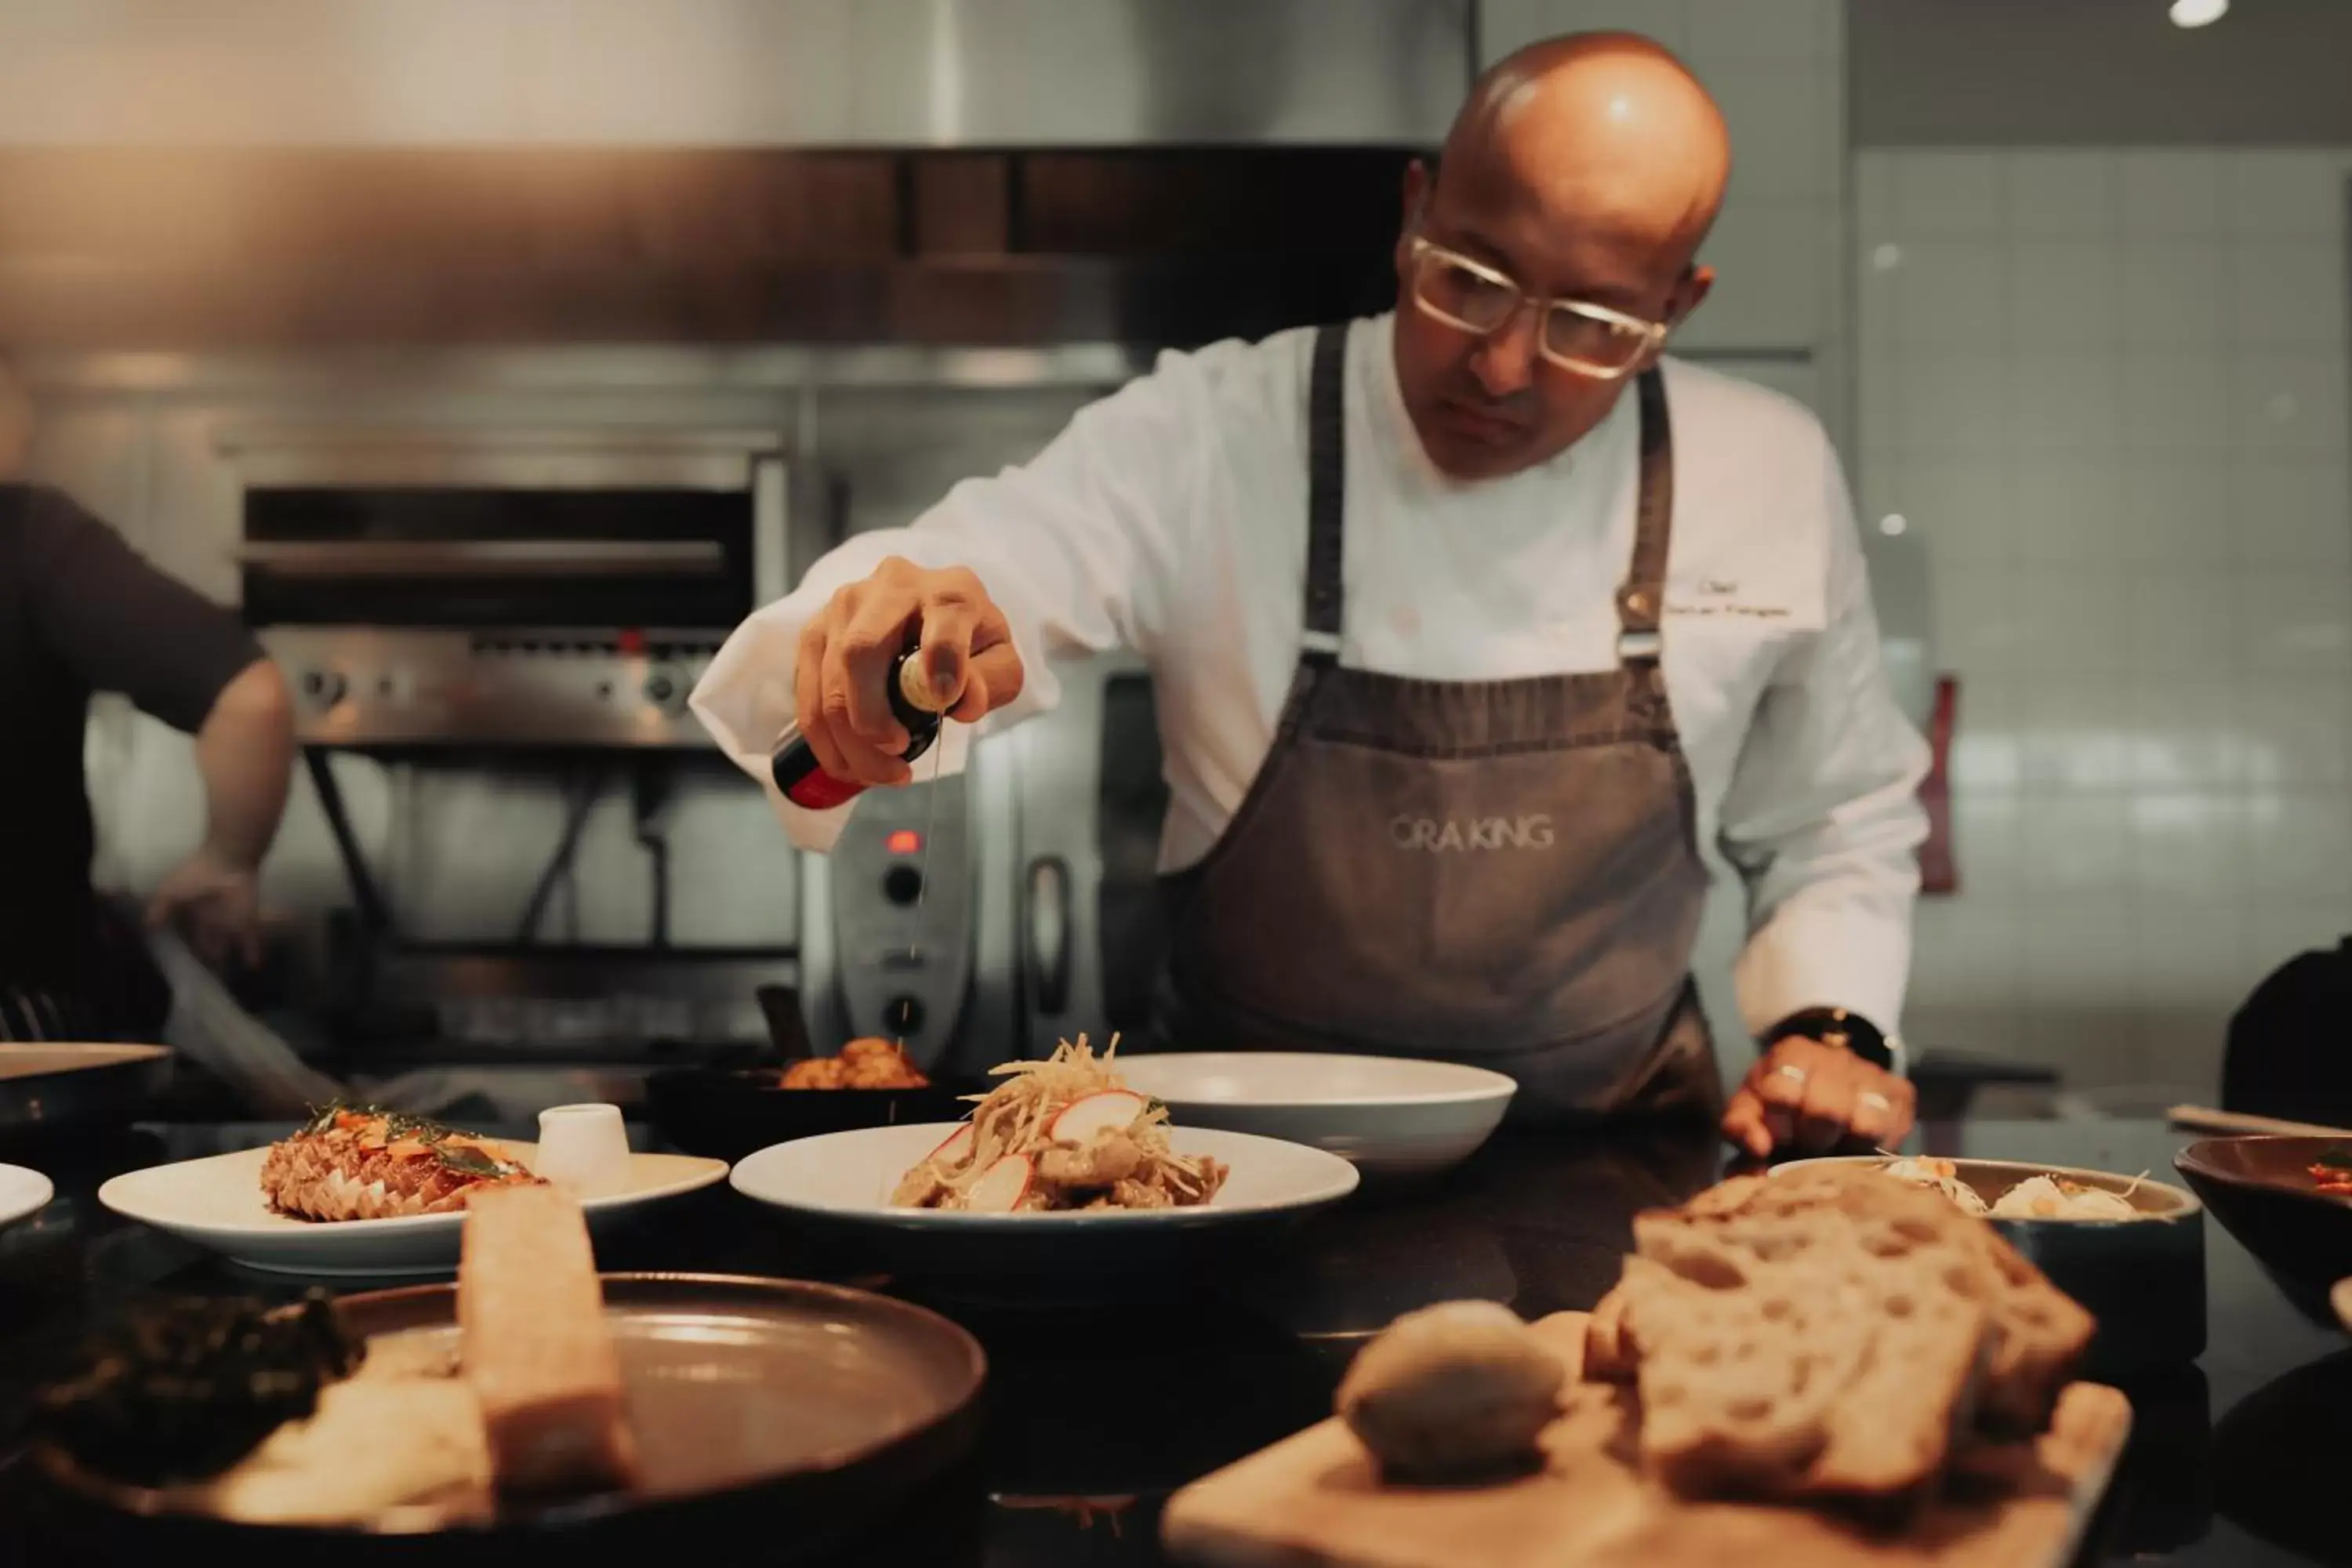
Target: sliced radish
(1082, 1118)
(1001, 1189)
(956, 1146)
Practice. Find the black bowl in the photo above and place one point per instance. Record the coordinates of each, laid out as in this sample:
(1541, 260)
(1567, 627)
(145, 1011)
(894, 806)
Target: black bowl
(54, 1098)
(2261, 1192)
(2143, 1279)
(727, 1115)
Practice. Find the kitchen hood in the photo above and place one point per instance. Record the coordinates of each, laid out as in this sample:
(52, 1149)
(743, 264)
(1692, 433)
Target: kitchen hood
(731, 73)
(939, 172)
(287, 250)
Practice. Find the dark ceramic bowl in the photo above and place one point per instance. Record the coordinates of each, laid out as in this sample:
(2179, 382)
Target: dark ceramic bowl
(54, 1096)
(772, 1409)
(2261, 1190)
(729, 1115)
(2143, 1279)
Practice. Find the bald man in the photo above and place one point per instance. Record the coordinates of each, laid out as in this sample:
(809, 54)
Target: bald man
(1469, 624)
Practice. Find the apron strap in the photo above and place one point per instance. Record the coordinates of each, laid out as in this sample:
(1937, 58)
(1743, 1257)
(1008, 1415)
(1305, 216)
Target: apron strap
(1638, 599)
(1327, 495)
(1639, 640)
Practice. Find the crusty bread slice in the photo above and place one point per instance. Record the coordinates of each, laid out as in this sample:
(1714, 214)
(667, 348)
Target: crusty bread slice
(2038, 1334)
(1827, 1331)
(1610, 1355)
(1805, 1335)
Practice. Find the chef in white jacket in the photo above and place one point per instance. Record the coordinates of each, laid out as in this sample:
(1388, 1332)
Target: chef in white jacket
(1468, 624)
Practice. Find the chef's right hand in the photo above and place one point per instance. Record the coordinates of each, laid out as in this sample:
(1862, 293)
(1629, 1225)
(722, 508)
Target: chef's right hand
(968, 660)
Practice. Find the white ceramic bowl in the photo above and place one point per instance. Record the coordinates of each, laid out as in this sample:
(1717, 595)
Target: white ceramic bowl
(1391, 1115)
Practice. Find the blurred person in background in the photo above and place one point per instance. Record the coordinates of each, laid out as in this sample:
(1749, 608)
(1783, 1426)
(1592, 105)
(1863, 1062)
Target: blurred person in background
(81, 612)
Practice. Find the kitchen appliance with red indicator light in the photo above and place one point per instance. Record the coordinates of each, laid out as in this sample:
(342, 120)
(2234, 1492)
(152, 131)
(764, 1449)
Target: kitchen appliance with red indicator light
(887, 932)
(897, 965)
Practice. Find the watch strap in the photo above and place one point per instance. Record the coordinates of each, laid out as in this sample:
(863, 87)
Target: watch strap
(1846, 1030)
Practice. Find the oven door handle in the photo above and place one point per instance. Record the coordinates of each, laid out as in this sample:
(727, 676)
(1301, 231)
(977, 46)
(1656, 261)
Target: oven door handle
(1048, 934)
(332, 558)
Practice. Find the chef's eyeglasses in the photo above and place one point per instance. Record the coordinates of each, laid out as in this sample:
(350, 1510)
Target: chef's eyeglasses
(1591, 339)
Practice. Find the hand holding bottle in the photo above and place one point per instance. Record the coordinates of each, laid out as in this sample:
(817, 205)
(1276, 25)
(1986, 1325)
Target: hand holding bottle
(884, 659)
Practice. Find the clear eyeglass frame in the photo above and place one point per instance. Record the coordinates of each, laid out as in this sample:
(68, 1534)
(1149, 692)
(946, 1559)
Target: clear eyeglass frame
(1641, 337)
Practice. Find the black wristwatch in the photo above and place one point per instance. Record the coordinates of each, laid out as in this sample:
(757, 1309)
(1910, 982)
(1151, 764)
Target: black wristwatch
(1836, 1026)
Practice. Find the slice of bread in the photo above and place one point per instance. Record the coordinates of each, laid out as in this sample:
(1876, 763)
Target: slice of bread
(1610, 1355)
(1827, 1332)
(2038, 1334)
(534, 1343)
(1806, 1335)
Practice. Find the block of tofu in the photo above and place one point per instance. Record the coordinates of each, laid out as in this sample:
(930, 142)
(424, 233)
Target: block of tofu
(535, 1347)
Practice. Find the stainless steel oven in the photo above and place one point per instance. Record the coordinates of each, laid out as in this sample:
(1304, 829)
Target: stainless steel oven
(513, 612)
(513, 587)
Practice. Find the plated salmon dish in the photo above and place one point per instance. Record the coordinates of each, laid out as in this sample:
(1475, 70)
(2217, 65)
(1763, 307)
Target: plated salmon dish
(367, 1164)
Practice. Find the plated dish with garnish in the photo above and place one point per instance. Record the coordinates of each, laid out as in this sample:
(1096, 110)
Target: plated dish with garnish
(1060, 1134)
(1061, 1168)
(357, 1192)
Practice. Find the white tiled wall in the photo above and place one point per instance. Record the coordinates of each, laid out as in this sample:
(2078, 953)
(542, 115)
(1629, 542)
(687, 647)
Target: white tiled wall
(2108, 390)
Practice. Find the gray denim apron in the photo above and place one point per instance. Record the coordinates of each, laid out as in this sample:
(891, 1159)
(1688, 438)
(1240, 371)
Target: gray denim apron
(1504, 872)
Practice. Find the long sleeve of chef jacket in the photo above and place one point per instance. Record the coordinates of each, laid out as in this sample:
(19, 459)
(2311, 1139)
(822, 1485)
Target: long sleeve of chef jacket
(1825, 832)
(1072, 546)
(1171, 518)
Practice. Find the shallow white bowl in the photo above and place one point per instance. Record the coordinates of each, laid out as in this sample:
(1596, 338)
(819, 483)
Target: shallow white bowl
(217, 1202)
(23, 1193)
(843, 1181)
(1391, 1115)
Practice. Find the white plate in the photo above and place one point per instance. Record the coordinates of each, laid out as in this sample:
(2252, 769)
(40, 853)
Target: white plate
(1391, 1115)
(217, 1202)
(23, 1193)
(845, 1180)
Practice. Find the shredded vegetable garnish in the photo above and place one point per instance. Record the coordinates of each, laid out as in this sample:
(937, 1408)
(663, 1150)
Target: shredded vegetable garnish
(1061, 1133)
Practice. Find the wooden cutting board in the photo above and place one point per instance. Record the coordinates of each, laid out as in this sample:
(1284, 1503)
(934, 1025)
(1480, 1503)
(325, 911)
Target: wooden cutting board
(1313, 1501)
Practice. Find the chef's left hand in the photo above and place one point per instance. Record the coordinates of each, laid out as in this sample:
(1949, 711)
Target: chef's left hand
(214, 901)
(1804, 1095)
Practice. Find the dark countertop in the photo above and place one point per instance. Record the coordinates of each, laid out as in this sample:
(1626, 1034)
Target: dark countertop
(1094, 1416)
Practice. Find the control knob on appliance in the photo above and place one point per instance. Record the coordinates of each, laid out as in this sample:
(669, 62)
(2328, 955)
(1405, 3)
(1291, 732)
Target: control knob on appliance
(323, 687)
(665, 688)
(902, 885)
(903, 1015)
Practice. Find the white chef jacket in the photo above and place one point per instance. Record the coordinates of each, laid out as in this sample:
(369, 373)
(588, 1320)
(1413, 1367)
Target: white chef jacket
(1171, 518)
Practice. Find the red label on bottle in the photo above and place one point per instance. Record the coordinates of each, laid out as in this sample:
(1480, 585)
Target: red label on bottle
(821, 791)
